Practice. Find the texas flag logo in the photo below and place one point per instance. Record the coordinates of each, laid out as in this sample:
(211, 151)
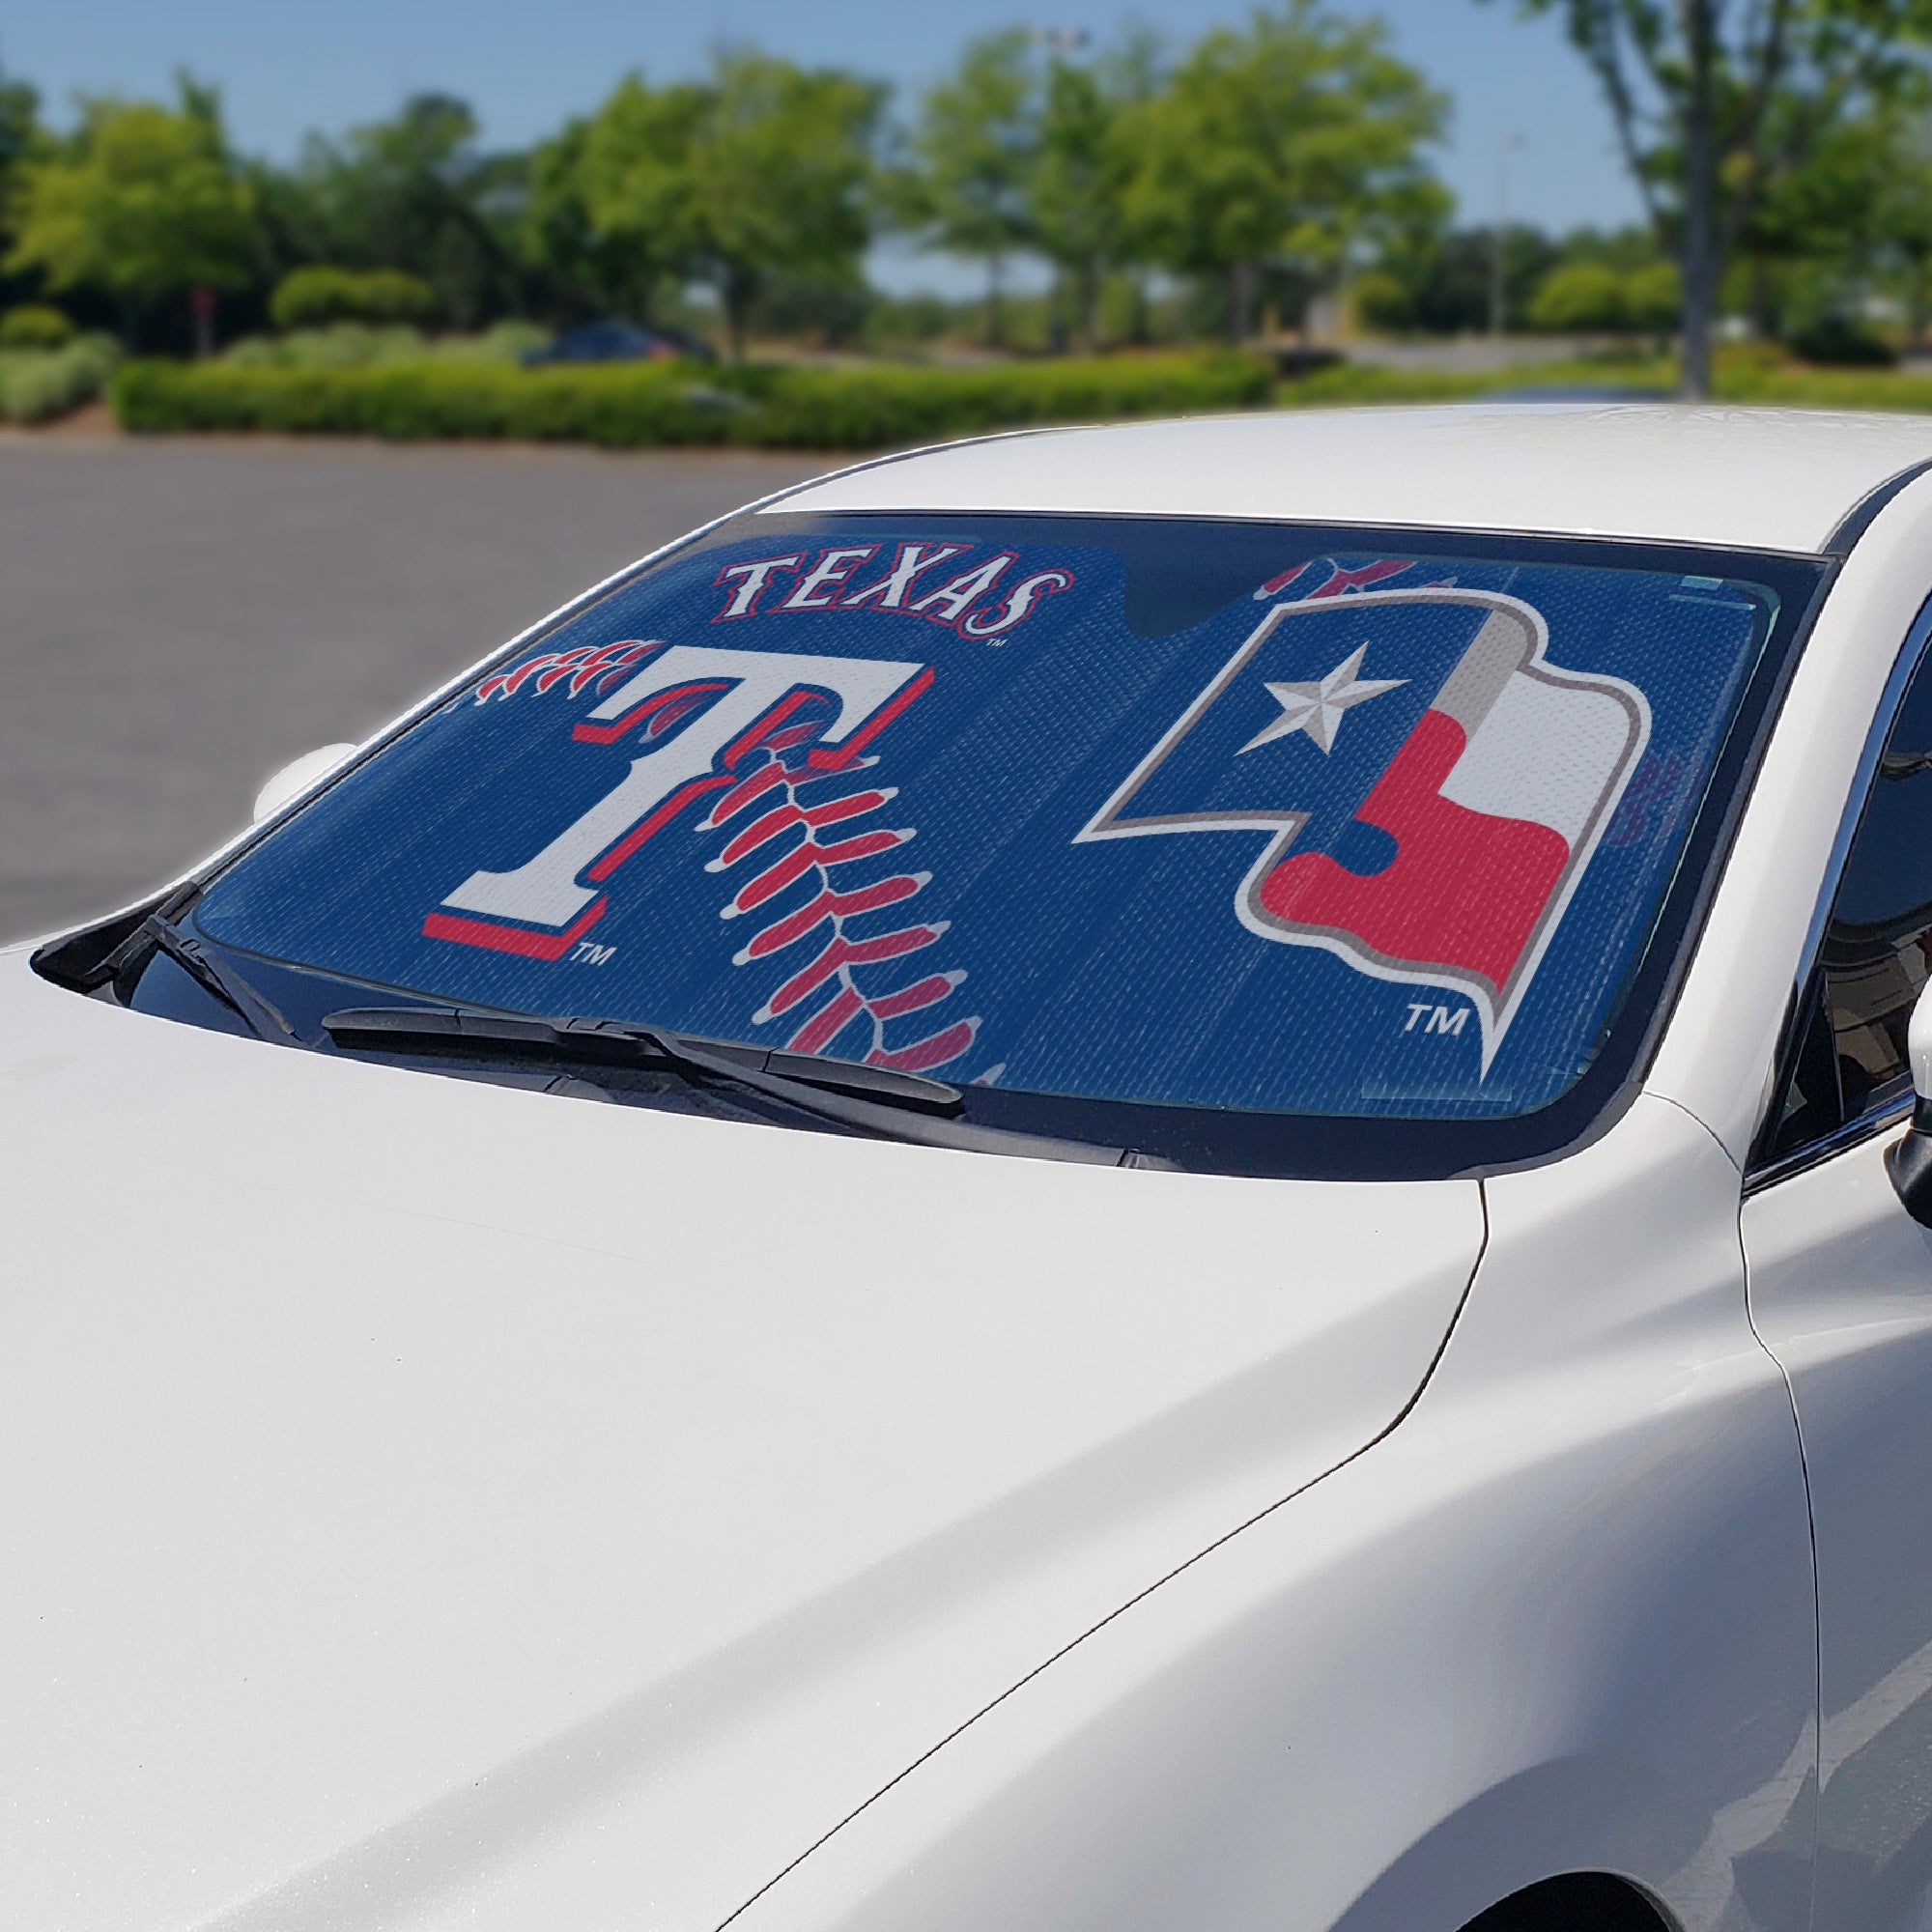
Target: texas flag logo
(1429, 791)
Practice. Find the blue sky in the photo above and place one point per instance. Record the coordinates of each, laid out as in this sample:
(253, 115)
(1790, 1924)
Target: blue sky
(284, 71)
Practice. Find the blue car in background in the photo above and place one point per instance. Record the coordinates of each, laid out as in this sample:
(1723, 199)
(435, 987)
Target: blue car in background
(617, 342)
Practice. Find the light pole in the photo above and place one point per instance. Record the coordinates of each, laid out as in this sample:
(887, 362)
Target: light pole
(1499, 234)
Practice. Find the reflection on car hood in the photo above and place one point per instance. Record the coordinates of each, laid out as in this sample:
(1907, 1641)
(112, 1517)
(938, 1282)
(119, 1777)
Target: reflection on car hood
(432, 1504)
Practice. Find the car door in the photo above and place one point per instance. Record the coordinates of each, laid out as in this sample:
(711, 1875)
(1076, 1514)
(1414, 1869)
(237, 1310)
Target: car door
(1840, 1287)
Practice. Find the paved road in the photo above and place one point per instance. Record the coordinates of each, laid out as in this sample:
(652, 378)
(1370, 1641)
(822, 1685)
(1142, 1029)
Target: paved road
(177, 618)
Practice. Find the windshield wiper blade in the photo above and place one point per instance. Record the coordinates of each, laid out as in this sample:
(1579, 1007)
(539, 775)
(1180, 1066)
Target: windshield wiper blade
(878, 1101)
(200, 962)
(615, 1043)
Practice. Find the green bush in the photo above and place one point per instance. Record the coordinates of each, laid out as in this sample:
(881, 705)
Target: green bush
(630, 405)
(315, 297)
(1380, 300)
(1356, 383)
(507, 341)
(39, 385)
(361, 345)
(1654, 298)
(341, 345)
(1593, 297)
(1843, 342)
(1797, 386)
(35, 325)
(1580, 296)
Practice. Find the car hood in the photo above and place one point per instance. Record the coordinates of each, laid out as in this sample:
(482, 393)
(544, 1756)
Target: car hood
(430, 1503)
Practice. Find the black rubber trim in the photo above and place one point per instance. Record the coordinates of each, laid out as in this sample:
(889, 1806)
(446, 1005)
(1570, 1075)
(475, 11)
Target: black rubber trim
(1761, 1170)
(1858, 519)
(1876, 1121)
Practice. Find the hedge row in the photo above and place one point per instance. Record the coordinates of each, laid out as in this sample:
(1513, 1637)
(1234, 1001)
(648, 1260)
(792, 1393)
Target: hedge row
(40, 384)
(1828, 389)
(1362, 382)
(629, 405)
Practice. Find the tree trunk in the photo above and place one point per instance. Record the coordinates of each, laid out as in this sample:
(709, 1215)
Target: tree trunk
(1762, 320)
(995, 323)
(1700, 236)
(200, 310)
(737, 309)
(1241, 279)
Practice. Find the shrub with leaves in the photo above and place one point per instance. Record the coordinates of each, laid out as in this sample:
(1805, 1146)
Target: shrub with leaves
(315, 297)
(35, 325)
(40, 384)
(638, 404)
(358, 345)
(1581, 296)
(1844, 342)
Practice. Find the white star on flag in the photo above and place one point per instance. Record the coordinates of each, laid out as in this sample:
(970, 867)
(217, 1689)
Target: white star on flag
(1318, 708)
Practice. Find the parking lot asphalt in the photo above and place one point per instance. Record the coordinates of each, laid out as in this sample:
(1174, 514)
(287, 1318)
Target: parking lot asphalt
(177, 618)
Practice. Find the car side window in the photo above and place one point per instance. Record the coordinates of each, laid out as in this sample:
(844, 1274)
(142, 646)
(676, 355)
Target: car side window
(1848, 1057)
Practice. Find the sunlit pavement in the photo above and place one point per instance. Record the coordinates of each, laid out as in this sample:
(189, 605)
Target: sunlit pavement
(179, 617)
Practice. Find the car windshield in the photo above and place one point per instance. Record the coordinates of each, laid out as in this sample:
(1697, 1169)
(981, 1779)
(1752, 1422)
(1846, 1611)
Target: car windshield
(1195, 815)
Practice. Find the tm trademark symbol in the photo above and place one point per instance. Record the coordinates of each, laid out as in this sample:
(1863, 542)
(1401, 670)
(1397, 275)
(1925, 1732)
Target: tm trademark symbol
(1442, 1019)
(589, 954)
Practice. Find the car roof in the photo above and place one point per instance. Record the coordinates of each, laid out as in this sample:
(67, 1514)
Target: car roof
(1770, 479)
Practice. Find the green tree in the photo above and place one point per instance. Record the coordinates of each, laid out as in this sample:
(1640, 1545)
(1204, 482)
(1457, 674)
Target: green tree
(20, 137)
(560, 240)
(1077, 212)
(1654, 298)
(1445, 275)
(1716, 106)
(1075, 194)
(142, 201)
(973, 151)
(1901, 215)
(779, 176)
(762, 170)
(1581, 295)
(21, 134)
(315, 297)
(612, 206)
(415, 192)
(1281, 143)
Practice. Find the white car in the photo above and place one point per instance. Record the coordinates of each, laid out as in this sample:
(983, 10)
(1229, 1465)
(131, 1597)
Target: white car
(1120, 1181)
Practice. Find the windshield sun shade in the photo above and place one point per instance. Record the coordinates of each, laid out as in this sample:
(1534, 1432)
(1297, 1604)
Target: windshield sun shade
(1197, 819)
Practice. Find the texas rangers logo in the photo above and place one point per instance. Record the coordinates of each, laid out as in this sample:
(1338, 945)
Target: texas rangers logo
(1429, 790)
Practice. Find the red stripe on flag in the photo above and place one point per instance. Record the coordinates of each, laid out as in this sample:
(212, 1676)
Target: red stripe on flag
(1464, 889)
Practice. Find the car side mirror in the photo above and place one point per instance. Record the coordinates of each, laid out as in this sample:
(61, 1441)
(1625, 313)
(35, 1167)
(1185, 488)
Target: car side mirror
(295, 776)
(1909, 1161)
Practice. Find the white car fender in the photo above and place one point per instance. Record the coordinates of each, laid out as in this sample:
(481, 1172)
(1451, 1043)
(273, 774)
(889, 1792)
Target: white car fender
(1559, 1619)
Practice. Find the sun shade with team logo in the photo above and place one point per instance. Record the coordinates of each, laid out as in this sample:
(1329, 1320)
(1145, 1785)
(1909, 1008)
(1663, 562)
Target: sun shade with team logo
(1198, 816)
